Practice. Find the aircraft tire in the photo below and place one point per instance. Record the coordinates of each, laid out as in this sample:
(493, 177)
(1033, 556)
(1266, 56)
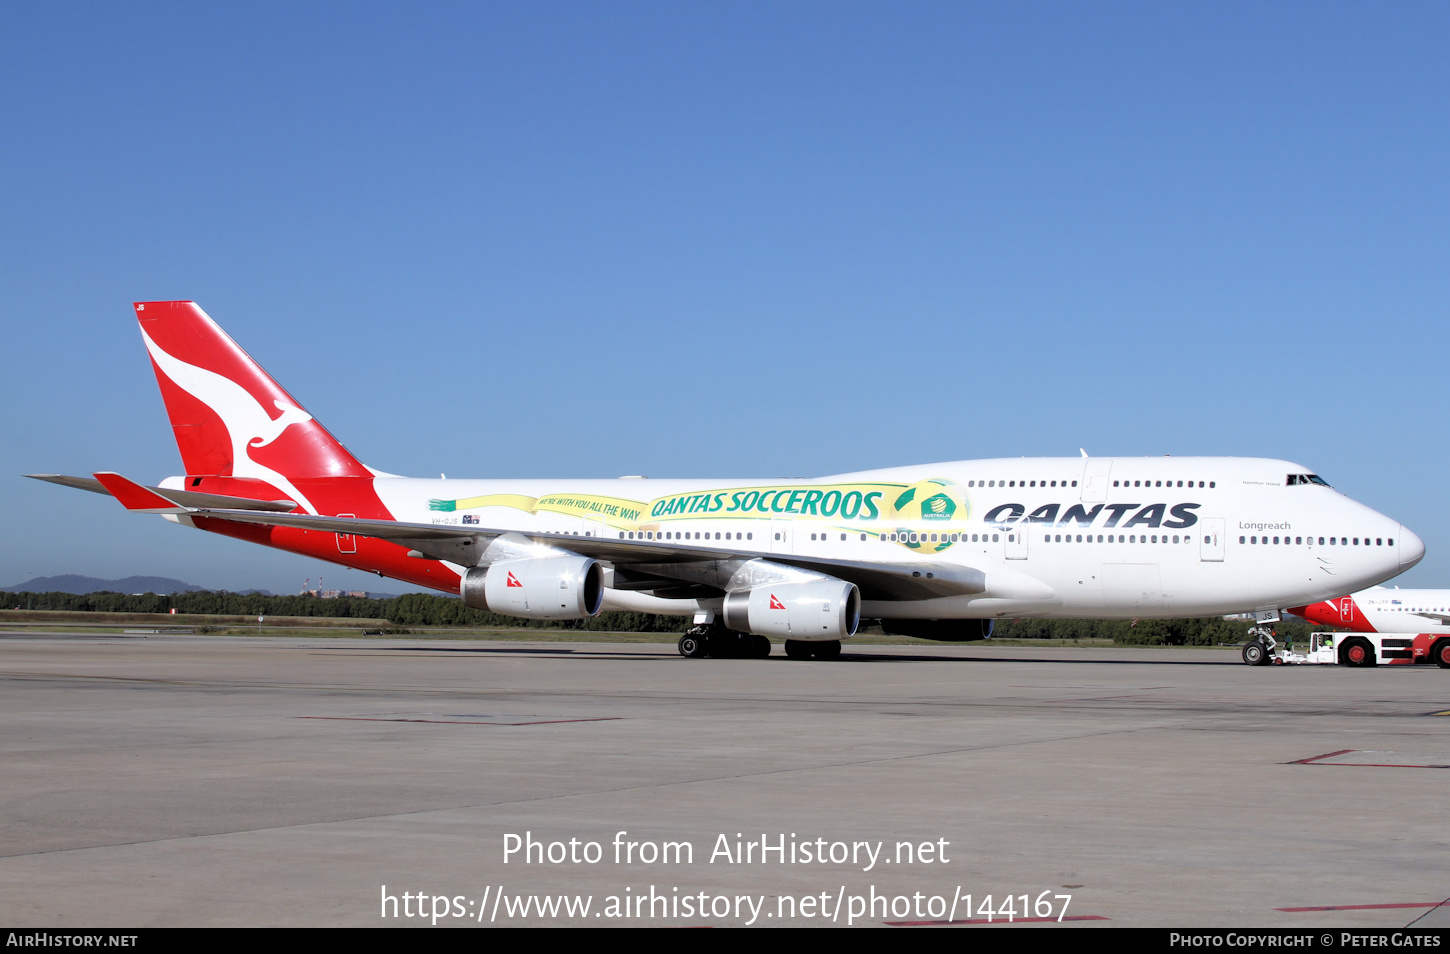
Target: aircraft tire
(1441, 653)
(1255, 653)
(757, 646)
(831, 649)
(796, 649)
(692, 645)
(1357, 653)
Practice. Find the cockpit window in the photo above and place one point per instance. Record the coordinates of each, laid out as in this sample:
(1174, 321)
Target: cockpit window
(1306, 479)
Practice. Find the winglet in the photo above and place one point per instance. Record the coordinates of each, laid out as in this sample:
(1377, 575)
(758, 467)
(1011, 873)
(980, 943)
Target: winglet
(135, 497)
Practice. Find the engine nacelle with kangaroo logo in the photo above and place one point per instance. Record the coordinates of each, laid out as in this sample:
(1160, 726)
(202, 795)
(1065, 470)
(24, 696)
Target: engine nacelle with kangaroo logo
(810, 612)
(562, 587)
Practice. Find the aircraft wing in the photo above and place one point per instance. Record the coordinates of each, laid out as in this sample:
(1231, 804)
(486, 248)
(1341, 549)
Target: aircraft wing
(462, 545)
(457, 544)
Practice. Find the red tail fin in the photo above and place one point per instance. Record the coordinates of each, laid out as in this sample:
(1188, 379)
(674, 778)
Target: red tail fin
(231, 419)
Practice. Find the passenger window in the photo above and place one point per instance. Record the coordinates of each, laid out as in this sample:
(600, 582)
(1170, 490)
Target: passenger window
(994, 537)
(1389, 541)
(1241, 539)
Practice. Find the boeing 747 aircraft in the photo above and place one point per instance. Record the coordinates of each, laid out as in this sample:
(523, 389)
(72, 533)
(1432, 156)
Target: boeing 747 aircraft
(935, 550)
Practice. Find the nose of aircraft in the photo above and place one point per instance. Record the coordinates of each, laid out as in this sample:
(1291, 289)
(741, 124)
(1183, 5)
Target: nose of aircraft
(1412, 548)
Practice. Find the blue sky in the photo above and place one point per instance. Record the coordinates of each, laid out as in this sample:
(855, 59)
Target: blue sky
(726, 239)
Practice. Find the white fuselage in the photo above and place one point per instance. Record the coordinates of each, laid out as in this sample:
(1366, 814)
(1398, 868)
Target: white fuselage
(1058, 537)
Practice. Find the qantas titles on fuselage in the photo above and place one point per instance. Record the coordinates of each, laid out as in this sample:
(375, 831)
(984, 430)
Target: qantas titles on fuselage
(965, 540)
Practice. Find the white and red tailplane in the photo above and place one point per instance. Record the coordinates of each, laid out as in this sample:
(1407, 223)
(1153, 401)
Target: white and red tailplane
(238, 430)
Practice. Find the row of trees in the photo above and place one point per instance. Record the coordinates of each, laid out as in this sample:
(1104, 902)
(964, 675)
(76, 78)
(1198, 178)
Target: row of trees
(412, 609)
(425, 609)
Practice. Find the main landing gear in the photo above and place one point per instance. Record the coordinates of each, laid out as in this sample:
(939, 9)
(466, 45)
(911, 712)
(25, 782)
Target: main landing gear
(800, 649)
(716, 641)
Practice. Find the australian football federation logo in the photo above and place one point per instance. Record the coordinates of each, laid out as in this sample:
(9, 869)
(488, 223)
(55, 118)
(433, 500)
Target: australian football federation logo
(928, 503)
(930, 500)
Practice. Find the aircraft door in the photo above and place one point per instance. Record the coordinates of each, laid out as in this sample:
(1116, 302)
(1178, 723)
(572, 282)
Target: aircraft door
(1346, 611)
(780, 539)
(347, 542)
(1211, 540)
(595, 527)
(1016, 541)
(1095, 480)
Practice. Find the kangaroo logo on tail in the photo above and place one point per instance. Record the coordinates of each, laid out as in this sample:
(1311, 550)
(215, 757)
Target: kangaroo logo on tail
(247, 422)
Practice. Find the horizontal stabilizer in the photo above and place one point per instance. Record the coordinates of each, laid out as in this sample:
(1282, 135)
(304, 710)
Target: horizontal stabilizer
(183, 498)
(135, 497)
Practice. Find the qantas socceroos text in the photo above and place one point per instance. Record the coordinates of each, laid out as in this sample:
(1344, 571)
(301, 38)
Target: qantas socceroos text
(666, 899)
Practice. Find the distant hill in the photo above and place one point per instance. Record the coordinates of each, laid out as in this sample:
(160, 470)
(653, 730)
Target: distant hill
(160, 585)
(72, 583)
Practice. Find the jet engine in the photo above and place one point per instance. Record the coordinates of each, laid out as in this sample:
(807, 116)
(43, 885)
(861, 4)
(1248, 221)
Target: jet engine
(561, 587)
(942, 630)
(815, 611)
